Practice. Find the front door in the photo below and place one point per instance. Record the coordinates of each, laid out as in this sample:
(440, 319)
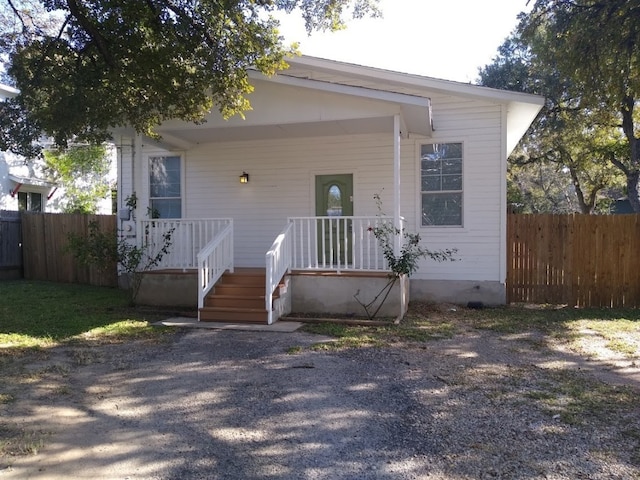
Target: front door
(334, 199)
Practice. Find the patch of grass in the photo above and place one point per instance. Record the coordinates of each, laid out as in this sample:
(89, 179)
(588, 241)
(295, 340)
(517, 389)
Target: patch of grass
(547, 319)
(426, 322)
(562, 323)
(42, 314)
(15, 442)
(118, 331)
(540, 395)
(85, 356)
(621, 346)
(294, 350)
(352, 341)
(330, 329)
(63, 390)
(349, 336)
(579, 400)
(621, 334)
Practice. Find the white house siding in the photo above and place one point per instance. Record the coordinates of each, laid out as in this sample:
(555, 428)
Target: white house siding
(128, 159)
(282, 182)
(477, 126)
(282, 174)
(12, 164)
(476, 273)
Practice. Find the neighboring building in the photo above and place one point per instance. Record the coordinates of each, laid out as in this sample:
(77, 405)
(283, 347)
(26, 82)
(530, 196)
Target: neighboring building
(322, 139)
(23, 185)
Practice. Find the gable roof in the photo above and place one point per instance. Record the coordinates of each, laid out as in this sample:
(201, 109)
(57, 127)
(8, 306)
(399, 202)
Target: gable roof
(327, 97)
(522, 108)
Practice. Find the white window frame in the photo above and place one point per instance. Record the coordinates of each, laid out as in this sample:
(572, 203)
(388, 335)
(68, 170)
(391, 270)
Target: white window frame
(421, 192)
(150, 157)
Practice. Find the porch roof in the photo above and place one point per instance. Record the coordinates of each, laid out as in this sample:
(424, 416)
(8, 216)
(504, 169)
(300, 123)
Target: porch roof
(31, 181)
(319, 97)
(522, 108)
(286, 106)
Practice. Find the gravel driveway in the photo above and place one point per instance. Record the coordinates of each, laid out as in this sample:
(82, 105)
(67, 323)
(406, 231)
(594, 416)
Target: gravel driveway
(220, 404)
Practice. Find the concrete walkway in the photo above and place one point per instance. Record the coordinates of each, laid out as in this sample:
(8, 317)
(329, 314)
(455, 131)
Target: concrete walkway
(187, 322)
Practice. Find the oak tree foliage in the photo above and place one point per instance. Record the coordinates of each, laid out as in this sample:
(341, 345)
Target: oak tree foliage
(86, 66)
(584, 57)
(82, 170)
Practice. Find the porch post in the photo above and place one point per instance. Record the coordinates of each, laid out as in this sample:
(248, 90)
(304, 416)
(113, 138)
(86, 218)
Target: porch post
(396, 182)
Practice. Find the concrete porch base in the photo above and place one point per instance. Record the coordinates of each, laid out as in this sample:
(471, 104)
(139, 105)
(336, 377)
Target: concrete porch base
(307, 292)
(169, 288)
(331, 292)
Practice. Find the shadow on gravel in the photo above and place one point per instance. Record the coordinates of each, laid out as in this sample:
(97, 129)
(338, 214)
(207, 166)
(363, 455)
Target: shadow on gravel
(235, 405)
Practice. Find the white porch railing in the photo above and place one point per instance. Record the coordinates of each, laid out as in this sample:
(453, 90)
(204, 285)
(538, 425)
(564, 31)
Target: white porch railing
(213, 260)
(337, 243)
(188, 237)
(278, 261)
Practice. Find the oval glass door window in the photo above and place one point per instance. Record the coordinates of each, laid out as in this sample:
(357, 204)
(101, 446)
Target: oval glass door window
(334, 201)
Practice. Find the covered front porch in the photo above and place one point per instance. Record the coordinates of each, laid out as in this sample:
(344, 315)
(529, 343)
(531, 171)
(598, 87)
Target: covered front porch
(314, 265)
(288, 189)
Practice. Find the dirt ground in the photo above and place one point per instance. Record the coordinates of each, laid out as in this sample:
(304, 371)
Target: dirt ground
(211, 403)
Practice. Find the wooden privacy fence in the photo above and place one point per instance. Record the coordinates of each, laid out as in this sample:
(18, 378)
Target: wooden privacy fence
(10, 245)
(578, 260)
(45, 238)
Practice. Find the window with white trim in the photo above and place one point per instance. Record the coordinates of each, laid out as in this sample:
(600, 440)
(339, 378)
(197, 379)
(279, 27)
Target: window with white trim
(441, 184)
(165, 187)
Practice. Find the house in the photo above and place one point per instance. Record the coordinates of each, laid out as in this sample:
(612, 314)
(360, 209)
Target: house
(290, 190)
(21, 186)
(24, 185)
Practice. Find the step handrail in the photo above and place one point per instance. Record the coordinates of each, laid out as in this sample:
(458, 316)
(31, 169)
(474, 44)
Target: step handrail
(278, 260)
(213, 260)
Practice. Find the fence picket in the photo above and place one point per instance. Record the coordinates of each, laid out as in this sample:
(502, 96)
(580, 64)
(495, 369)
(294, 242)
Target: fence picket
(578, 260)
(45, 237)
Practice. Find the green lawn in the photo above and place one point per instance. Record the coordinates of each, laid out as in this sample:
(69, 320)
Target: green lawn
(619, 328)
(37, 314)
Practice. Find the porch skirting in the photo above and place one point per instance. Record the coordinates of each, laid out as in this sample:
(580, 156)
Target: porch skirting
(331, 292)
(459, 292)
(169, 288)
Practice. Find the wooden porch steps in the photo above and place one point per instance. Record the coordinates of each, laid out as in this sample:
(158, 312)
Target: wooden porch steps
(238, 298)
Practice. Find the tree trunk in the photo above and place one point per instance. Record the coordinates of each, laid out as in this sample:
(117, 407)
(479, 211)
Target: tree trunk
(633, 172)
(585, 207)
(633, 190)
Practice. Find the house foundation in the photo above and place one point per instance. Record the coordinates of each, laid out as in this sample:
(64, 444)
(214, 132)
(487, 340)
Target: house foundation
(169, 288)
(459, 292)
(333, 293)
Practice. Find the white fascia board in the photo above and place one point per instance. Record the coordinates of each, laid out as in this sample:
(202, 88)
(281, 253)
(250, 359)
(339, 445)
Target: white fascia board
(31, 181)
(168, 141)
(408, 79)
(416, 120)
(520, 116)
(383, 95)
(7, 91)
(415, 111)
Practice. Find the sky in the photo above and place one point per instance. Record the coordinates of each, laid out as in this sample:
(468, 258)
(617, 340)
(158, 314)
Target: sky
(447, 39)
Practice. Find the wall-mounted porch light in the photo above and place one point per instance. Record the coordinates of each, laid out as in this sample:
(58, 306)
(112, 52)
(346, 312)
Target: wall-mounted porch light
(244, 178)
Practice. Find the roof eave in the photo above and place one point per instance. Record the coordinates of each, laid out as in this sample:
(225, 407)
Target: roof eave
(520, 116)
(423, 82)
